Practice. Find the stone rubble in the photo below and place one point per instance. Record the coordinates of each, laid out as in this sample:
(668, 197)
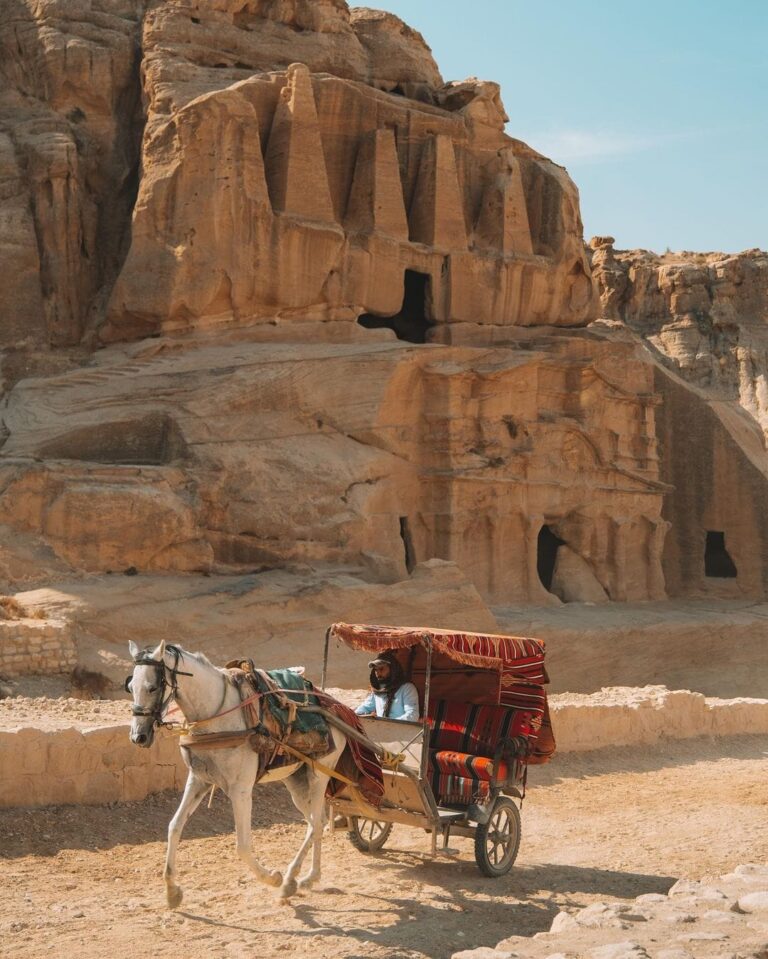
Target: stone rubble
(724, 918)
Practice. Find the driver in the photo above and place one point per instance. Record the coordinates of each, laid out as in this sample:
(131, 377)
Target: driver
(391, 696)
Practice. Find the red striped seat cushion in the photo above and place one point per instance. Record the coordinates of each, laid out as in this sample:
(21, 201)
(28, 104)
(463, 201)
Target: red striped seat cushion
(461, 779)
(469, 767)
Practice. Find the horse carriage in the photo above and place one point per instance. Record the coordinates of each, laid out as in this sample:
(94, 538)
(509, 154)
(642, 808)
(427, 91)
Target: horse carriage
(461, 770)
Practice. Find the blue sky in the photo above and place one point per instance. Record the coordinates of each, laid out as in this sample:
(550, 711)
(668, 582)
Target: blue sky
(659, 110)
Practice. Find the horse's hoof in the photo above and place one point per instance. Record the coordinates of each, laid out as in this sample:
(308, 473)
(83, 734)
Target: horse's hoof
(307, 882)
(275, 879)
(287, 890)
(174, 895)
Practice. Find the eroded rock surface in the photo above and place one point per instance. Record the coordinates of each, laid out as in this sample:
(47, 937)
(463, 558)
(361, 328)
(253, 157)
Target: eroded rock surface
(298, 160)
(705, 315)
(70, 123)
(367, 456)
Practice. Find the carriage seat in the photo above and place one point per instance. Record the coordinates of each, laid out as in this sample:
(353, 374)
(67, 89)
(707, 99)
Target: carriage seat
(475, 748)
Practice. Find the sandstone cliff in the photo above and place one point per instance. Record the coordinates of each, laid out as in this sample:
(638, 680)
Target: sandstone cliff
(277, 296)
(181, 165)
(705, 315)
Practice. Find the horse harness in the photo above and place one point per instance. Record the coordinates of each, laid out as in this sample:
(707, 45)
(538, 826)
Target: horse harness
(162, 701)
(265, 735)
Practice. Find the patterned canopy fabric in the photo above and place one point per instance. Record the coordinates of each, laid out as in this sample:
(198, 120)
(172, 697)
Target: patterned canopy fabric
(522, 657)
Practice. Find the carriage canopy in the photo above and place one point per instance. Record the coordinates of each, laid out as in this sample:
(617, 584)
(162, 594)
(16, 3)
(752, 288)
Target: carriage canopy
(471, 667)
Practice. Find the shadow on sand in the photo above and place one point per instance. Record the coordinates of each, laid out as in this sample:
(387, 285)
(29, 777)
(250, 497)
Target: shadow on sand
(46, 831)
(462, 909)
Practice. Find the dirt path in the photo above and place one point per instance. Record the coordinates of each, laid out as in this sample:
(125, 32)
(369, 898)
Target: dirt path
(85, 882)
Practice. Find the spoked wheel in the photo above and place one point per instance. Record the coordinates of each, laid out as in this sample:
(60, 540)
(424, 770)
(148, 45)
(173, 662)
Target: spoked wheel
(497, 842)
(368, 835)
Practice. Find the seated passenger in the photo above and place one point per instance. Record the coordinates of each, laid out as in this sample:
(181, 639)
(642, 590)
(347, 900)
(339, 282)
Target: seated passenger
(390, 696)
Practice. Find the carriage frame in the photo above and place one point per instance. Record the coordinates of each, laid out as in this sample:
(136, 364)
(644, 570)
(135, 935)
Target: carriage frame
(497, 678)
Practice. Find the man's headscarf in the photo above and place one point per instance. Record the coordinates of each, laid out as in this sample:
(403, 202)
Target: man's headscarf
(392, 683)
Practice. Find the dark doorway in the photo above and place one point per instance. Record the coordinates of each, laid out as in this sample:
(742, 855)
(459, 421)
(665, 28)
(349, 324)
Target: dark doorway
(549, 543)
(407, 538)
(717, 559)
(412, 322)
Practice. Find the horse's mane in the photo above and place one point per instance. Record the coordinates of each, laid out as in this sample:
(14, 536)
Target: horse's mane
(184, 654)
(200, 657)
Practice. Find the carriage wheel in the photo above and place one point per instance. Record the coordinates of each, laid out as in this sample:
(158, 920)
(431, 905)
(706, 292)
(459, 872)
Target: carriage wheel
(368, 835)
(497, 842)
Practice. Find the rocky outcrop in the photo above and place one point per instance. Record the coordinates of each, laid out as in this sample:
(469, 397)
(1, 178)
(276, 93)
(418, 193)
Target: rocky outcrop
(695, 920)
(278, 295)
(255, 205)
(192, 48)
(704, 318)
(272, 131)
(69, 128)
(369, 456)
(399, 60)
(704, 315)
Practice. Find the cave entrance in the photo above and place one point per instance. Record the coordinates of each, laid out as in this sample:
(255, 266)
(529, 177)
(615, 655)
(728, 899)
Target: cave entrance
(412, 322)
(546, 556)
(717, 560)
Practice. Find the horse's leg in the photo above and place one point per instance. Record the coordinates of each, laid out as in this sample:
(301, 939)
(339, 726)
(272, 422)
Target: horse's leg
(194, 791)
(317, 824)
(242, 805)
(313, 790)
(307, 789)
(299, 787)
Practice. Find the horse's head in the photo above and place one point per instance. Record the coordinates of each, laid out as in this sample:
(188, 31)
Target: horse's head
(149, 687)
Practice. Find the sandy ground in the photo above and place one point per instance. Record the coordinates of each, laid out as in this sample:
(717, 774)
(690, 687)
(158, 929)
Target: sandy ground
(86, 882)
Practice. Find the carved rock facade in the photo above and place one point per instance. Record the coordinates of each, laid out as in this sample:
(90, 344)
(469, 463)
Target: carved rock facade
(365, 456)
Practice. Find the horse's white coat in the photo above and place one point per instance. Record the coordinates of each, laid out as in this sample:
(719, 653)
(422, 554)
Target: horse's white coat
(206, 693)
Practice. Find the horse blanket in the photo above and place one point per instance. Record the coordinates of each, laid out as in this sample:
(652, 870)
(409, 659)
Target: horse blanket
(285, 692)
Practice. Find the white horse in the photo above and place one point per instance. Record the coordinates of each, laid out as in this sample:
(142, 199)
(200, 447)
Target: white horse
(202, 691)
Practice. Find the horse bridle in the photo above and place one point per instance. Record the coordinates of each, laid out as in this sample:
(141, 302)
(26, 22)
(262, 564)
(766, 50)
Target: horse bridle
(158, 708)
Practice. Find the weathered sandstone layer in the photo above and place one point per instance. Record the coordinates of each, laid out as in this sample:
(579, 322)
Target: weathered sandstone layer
(375, 457)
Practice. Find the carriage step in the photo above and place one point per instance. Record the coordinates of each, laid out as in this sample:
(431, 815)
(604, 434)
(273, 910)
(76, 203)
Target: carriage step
(451, 815)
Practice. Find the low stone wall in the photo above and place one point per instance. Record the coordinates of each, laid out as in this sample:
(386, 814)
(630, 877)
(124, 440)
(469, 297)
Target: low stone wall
(36, 647)
(88, 766)
(72, 761)
(624, 716)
